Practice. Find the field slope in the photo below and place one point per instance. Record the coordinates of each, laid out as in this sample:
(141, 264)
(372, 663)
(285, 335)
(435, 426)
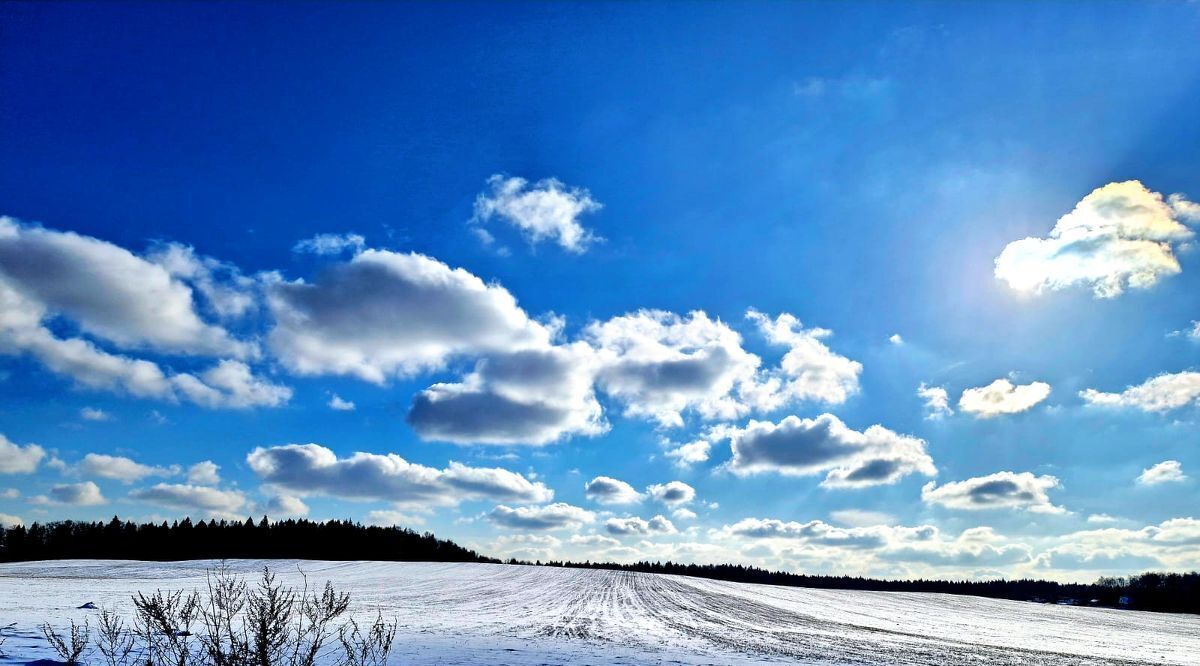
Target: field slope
(502, 614)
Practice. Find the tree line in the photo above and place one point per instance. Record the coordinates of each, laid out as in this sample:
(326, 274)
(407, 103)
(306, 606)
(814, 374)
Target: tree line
(349, 540)
(221, 539)
(1152, 591)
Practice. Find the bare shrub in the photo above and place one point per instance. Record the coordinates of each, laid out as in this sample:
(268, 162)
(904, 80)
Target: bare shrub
(233, 624)
(114, 639)
(70, 647)
(367, 648)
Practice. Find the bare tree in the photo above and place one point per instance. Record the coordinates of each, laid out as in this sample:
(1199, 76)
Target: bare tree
(164, 623)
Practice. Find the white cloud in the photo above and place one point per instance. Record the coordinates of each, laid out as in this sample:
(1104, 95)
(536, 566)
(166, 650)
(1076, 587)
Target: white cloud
(187, 497)
(10, 493)
(937, 401)
(1119, 236)
(94, 414)
(1002, 397)
(72, 494)
(862, 518)
(895, 339)
(18, 459)
(311, 469)
(224, 291)
(328, 244)
(672, 493)
(1167, 471)
(683, 514)
(547, 210)
(555, 516)
(389, 518)
(287, 506)
(108, 291)
(849, 459)
(809, 371)
(204, 473)
(534, 396)
(337, 404)
(1160, 394)
(228, 384)
(385, 314)
(120, 468)
(593, 540)
(660, 365)
(1002, 490)
(633, 526)
(9, 520)
(690, 453)
(231, 384)
(607, 490)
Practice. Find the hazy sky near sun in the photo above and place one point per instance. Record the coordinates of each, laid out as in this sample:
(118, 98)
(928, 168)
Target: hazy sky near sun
(879, 288)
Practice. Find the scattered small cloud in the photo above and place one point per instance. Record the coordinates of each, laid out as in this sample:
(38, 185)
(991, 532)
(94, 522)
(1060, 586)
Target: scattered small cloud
(337, 404)
(1002, 397)
(545, 210)
(94, 414)
(937, 401)
(330, 244)
(1167, 471)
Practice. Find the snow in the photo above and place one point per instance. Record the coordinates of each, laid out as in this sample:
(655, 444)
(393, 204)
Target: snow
(505, 614)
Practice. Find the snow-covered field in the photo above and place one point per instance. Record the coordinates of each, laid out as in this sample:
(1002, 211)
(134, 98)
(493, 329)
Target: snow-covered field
(501, 614)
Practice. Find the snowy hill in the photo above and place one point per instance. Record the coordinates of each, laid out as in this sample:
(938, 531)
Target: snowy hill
(503, 614)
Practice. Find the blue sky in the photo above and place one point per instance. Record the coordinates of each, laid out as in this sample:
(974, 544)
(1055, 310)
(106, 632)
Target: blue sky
(552, 243)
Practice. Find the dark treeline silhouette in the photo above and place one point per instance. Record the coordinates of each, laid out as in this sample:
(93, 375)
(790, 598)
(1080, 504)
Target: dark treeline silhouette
(184, 540)
(1165, 592)
(348, 540)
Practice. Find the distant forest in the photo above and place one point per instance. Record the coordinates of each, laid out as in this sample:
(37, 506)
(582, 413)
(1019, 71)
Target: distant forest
(348, 540)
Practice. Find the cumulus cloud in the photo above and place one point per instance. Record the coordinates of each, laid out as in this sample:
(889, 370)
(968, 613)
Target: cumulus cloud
(1002, 490)
(1162, 393)
(1002, 397)
(18, 459)
(222, 288)
(895, 339)
(1167, 471)
(1171, 543)
(816, 531)
(593, 541)
(672, 493)
(337, 404)
(637, 526)
(72, 494)
(311, 469)
(691, 453)
(803, 447)
(545, 210)
(607, 490)
(204, 473)
(120, 468)
(230, 383)
(937, 401)
(108, 291)
(328, 244)
(534, 396)
(1120, 236)
(809, 371)
(660, 365)
(555, 516)
(9, 520)
(286, 506)
(187, 497)
(383, 314)
(683, 513)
